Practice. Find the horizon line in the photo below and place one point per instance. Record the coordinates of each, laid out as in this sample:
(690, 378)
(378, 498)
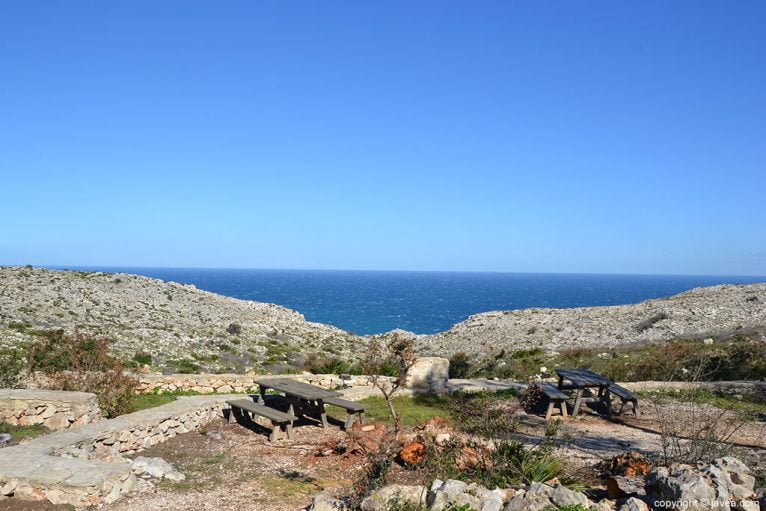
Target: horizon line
(129, 267)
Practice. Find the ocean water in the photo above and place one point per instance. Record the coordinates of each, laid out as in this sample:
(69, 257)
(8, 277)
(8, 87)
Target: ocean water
(369, 302)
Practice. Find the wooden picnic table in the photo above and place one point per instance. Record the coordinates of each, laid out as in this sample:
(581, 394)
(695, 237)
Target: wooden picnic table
(581, 379)
(306, 399)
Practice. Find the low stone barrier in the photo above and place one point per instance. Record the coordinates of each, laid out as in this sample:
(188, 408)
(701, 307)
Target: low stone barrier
(226, 383)
(51, 408)
(84, 466)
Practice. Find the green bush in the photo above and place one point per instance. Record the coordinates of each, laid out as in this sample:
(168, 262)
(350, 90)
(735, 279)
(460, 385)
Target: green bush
(459, 365)
(142, 358)
(12, 366)
(333, 365)
(83, 363)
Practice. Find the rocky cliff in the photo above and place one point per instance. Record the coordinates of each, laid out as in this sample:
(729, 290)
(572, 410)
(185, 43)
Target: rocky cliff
(167, 320)
(698, 313)
(175, 322)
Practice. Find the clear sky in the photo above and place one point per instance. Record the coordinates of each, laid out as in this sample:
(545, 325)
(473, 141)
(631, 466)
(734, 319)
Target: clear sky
(552, 136)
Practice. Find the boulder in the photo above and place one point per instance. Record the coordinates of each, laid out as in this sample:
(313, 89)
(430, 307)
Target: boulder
(323, 502)
(524, 502)
(156, 467)
(451, 493)
(559, 495)
(620, 486)
(388, 496)
(428, 374)
(725, 484)
(5, 438)
(634, 504)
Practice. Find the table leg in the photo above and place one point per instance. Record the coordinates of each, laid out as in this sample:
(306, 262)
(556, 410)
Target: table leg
(261, 395)
(322, 413)
(608, 402)
(578, 400)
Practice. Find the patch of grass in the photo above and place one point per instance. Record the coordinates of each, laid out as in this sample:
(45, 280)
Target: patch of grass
(413, 410)
(144, 401)
(21, 432)
(291, 483)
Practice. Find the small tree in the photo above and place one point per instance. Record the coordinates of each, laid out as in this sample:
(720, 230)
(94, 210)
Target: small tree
(398, 353)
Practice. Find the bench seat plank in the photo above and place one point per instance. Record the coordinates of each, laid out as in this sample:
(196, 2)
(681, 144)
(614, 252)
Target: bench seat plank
(277, 418)
(351, 408)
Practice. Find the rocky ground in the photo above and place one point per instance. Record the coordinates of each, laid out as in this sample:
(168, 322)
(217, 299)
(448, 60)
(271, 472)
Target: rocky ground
(200, 331)
(716, 311)
(167, 320)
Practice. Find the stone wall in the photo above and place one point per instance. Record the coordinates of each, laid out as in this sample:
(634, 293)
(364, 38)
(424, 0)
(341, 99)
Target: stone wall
(225, 383)
(51, 408)
(84, 466)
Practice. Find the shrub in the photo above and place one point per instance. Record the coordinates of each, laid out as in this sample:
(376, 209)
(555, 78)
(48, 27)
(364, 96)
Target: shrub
(459, 365)
(82, 363)
(234, 329)
(11, 369)
(334, 365)
(143, 358)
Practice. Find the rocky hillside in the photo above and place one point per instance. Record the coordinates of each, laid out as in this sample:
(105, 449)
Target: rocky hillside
(186, 328)
(698, 313)
(174, 323)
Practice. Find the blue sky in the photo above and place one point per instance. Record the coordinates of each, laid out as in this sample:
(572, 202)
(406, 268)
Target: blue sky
(551, 136)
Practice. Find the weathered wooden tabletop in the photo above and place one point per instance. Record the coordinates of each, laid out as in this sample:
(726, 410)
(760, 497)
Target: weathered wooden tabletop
(297, 388)
(582, 378)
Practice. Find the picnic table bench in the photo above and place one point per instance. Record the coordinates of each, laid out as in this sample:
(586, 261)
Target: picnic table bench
(555, 397)
(351, 408)
(626, 397)
(278, 419)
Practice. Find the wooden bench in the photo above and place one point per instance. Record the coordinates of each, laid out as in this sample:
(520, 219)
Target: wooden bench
(351, 408)
(555, 396)
(625, 396)
(278, 419)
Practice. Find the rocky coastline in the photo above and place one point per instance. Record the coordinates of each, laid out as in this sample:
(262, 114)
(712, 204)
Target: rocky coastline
(172, 322)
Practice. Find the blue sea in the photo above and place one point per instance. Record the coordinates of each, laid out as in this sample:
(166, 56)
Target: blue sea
(370, 302)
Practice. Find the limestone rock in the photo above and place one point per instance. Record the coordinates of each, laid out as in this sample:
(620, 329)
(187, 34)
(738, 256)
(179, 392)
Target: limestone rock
(620, 486)
(385, 497)
(156, 467)
(428, 374)
(634, 504)
(323, 502)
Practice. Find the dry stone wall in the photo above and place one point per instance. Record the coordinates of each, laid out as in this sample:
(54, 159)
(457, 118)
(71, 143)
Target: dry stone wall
(53, 409)
(226, 383)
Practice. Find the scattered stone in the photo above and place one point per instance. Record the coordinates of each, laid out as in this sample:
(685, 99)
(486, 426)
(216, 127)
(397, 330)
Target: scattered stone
(468, 457)
(156, 467)
(215, 435)
(323, 502)
(5, 439)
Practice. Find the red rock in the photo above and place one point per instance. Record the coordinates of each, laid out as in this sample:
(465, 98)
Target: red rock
(413, 454)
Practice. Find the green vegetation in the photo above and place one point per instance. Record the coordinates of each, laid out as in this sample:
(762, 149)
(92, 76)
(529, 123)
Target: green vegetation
(334, 365)
(12, 365)
(412, 410)
(82, 363)
(184, 366)
(739, 357)
(21, 432)
(144, 401)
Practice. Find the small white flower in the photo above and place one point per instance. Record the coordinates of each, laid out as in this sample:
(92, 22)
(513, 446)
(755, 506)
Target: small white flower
(684, 370)
(543, 369)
